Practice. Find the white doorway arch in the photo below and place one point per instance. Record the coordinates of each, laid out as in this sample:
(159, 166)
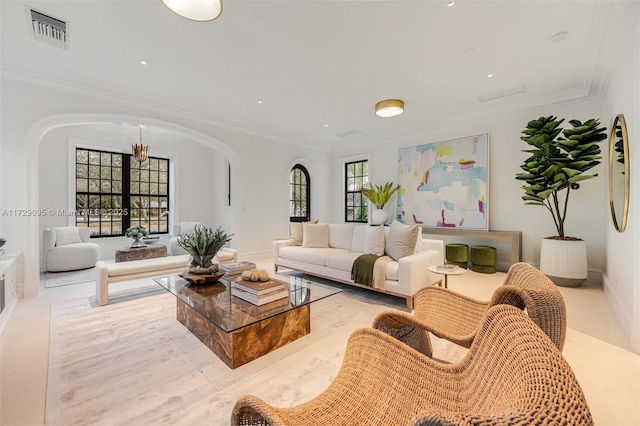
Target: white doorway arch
(42, 127)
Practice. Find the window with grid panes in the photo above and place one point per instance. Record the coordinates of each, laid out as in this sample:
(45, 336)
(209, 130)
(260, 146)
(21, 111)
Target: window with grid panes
(115, 192)
(356, 177)
(299, 203)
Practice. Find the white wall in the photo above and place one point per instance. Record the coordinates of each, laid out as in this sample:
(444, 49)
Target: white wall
(507, 211)
(622, 269)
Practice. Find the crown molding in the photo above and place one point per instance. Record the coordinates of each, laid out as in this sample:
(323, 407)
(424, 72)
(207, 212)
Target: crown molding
(35, 73)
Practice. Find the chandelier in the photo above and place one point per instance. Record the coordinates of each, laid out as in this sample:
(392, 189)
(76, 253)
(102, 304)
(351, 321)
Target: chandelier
(140, 152)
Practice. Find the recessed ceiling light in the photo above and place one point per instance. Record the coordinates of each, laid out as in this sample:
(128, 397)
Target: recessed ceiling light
(259, 102)
(298, 114)
(451, 3)
(490, 75)
(561, 36)
(326, 125)
(143, 62)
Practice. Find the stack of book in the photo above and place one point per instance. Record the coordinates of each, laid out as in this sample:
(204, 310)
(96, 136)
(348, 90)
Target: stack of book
(258, 292)
(447, 267)
(236, 268)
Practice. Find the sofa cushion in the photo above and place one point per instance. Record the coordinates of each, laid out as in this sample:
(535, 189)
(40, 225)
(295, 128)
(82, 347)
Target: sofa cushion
(341, 235)
(148, 265)
(357, 243)
(401, 240)
(374, 240)
(342, 261)
(66, 235)
(392, 271)
(295, 238)
(315, 256)
(315, 235)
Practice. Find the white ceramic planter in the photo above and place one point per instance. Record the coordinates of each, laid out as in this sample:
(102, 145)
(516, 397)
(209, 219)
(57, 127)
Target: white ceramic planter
(564, 261)
(378, 217)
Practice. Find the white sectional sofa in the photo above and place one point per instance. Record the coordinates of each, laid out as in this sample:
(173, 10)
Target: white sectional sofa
(403, 277)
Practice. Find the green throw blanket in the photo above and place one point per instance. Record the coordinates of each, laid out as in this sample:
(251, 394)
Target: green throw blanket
(362, 269)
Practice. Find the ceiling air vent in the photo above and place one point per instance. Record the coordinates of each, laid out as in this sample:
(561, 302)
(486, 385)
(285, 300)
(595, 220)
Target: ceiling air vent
(503, 94)
(347, 133)
(48, 29)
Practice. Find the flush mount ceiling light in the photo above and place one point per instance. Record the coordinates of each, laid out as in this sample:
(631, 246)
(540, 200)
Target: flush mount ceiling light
(196, 10)
(140, 152)
(389, 108)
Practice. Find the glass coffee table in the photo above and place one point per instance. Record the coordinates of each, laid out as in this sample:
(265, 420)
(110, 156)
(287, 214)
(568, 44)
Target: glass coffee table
(238, 331)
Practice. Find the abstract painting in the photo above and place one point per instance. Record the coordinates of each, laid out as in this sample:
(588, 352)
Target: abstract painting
(445, 184)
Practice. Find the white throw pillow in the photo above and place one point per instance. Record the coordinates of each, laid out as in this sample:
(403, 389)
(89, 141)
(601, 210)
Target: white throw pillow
(357, 244)
(374, 241)
(67, 235)
(188, 227)
(401, 240)
(295, 238)
(315, 235)
(340, 235)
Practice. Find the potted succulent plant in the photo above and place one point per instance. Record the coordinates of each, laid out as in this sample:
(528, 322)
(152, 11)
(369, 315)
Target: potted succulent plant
(137, 232)
(379, 196)
(559, 159)
(203, 244)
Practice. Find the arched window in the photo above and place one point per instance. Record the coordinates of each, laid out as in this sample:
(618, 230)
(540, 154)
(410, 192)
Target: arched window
(299, 194)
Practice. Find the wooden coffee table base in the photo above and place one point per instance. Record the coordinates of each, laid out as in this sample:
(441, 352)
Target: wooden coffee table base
(251, 342)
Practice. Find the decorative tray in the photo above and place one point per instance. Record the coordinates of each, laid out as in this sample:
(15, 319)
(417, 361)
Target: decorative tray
(202, 279)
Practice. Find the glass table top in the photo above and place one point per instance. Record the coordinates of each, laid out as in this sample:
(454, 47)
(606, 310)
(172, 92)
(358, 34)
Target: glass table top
(215, 302)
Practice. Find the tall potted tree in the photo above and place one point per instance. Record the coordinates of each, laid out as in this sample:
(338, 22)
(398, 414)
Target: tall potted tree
(559, 159)
(379, 196)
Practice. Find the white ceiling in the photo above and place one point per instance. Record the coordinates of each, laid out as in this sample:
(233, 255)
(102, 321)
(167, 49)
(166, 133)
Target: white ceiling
(317, 63)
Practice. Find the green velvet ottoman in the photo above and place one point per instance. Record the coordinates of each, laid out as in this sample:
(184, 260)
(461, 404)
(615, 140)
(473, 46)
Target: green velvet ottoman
(483, 259)
(458, 254)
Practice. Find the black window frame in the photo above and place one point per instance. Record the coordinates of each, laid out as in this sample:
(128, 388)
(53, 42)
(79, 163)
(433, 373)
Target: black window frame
(298, 187)
(113, 217)
(353, 184)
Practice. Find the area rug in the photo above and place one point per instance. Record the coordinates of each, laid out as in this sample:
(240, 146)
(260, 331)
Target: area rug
(58, 279)
(131, 362)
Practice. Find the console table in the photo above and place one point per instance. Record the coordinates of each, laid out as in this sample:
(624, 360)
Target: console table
(150, 251)
(512, 239)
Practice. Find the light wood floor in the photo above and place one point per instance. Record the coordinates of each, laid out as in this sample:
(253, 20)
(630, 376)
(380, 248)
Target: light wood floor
(596, 350)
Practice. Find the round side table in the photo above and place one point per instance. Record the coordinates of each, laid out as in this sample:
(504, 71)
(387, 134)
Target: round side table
(457, 271)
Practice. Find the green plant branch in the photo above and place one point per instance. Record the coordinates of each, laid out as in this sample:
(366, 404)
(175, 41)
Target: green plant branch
(379, 195)
(558, 158)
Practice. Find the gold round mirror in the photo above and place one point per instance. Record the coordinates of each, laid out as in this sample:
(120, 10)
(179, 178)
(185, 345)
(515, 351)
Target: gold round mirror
(619, 180)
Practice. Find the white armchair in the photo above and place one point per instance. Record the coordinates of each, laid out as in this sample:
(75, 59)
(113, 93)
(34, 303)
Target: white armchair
(67, 248)
(225, 255)
(180, 228)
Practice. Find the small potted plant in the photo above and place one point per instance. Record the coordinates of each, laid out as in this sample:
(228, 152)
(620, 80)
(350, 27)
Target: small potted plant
(203, 244)
(379, 196)
(559, 159)
(137, 232)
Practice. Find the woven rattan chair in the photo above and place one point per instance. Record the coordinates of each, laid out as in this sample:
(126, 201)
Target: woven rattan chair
(456, 317)
(512, 375)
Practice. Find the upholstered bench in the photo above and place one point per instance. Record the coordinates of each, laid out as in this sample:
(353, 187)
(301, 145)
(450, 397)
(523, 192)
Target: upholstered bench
(108, 273)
